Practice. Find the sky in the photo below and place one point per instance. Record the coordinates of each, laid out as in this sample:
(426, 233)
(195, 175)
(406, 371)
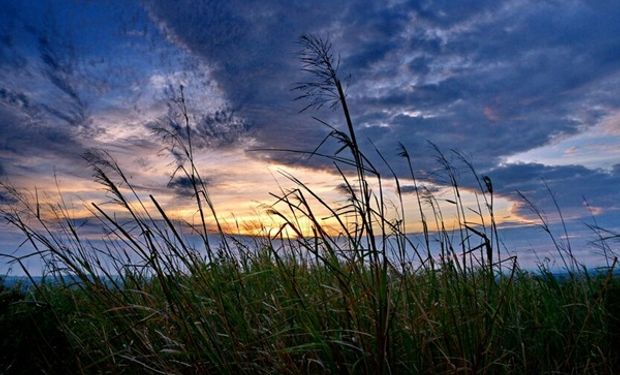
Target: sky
(526, 90)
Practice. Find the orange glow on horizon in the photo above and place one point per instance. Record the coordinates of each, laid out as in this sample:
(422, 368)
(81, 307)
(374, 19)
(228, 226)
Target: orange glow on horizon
(240, 194)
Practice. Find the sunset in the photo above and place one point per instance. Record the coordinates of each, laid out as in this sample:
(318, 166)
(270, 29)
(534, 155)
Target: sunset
(376, 167)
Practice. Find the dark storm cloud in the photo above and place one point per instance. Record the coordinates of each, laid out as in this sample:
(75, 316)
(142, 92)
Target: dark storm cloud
(494, 78)
(30, 130)
(42, 114)
(410, 189)
(515, 78)
(183, 186)
(571, 186)
(6, 199)
(61, 75)
(23, 134)
(251, 47)
(346, 189)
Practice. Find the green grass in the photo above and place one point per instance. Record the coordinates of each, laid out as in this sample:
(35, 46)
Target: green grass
(148, 300)
(269, 315)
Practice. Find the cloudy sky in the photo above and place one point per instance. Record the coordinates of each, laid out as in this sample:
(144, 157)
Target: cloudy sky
(527, 90)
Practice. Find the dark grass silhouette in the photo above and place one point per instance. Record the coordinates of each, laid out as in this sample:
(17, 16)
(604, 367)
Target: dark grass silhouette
(367, 300)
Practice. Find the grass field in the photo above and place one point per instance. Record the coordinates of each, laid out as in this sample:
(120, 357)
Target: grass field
(367, 300)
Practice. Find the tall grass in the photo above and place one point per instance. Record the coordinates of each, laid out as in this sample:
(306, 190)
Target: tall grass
(361, 297)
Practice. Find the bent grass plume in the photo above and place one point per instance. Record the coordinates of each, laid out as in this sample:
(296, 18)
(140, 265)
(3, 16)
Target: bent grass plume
(361, 297)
